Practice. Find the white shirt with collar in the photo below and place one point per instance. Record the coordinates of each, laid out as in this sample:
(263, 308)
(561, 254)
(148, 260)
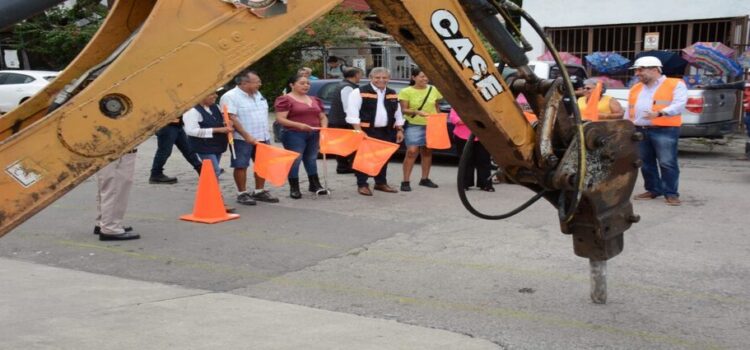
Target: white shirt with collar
(191, 119)
(345, 96)
(354, 103)
(251, 111)
(645, 102)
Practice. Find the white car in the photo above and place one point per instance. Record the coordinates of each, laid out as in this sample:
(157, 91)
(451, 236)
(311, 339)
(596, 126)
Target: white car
(17, 86)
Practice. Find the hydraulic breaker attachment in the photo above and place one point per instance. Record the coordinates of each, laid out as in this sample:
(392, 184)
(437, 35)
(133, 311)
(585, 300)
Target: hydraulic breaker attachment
(594, 203)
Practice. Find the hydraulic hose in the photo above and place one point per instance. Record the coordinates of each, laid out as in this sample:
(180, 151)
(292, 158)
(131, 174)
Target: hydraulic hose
(462, 166)
(564, 214)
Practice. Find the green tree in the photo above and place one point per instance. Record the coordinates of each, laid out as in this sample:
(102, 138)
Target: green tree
(328, 31)
(57, 36)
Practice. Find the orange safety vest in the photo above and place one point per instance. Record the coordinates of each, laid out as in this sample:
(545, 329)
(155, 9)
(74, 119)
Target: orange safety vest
(662, 99)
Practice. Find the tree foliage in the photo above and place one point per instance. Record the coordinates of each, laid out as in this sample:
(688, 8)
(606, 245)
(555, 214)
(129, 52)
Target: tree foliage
(58, 35)
(305, 49)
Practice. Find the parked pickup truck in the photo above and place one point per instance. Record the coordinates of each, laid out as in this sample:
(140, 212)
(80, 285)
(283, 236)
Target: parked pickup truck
(710, 111)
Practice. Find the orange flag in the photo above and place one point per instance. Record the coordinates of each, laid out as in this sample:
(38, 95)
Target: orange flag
(372, 155)
(273, 164)
(228, 123)
(530, 117)
(437, 131)
(340, 142)
(592, 106)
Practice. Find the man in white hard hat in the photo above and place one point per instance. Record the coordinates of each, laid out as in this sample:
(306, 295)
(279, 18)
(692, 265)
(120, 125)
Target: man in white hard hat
(655, 105)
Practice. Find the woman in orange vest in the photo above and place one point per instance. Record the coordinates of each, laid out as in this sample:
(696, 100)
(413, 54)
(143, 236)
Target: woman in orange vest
(608, 107)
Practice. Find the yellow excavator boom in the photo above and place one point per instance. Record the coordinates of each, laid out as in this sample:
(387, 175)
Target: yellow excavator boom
(153, 59)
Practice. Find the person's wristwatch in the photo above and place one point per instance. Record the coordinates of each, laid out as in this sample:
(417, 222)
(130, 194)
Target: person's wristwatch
(661, 114)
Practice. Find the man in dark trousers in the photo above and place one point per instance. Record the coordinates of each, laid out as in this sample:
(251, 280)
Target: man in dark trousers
(374, 109)
(337, 114)
(171, 135)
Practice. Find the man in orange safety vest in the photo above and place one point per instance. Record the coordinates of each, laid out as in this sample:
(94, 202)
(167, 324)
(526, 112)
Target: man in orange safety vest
(655, 106)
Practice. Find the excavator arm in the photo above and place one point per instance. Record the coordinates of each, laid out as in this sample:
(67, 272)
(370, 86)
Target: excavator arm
(153, 59)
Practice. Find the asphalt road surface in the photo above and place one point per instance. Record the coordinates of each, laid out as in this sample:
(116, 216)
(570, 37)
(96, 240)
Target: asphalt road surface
(682, 282)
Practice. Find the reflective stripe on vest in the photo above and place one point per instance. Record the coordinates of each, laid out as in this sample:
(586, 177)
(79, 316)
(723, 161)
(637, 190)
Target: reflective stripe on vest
(662, 99)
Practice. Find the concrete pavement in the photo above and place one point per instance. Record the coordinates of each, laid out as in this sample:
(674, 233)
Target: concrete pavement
(417, 258)
(53, 308)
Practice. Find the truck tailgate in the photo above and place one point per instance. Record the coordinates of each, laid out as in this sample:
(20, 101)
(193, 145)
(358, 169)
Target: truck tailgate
(718, 106)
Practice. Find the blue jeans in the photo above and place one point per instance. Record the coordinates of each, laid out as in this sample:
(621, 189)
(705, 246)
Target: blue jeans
(658, 151)
(747, 123)
(214, 158)
(166, 137)
(307, 144)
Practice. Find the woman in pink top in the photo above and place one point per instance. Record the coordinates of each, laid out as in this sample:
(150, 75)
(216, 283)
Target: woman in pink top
(299, 114)
(480, 158)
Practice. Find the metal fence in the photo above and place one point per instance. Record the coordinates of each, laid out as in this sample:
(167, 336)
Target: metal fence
(627, 39)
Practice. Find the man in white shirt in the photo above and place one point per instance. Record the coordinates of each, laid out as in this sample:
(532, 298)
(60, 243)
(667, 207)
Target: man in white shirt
(655, 105)
(374, 109)
(248, 110)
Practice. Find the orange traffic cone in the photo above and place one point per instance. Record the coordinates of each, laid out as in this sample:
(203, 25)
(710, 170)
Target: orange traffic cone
(209, 206)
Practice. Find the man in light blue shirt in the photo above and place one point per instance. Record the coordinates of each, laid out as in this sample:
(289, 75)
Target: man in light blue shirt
(655, 105)
(248, 110)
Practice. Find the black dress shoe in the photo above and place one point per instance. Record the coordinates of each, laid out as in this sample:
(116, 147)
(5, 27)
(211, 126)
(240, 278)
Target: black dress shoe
(427, 183)
(162, 179)
(119, 237)
(98, 230)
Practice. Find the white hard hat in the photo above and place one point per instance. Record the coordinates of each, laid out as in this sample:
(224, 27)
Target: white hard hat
(646, 61)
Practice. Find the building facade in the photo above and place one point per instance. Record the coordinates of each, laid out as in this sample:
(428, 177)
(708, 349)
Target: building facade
(582, 27)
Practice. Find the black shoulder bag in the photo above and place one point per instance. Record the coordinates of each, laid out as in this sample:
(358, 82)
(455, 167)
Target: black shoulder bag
(423, 102)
